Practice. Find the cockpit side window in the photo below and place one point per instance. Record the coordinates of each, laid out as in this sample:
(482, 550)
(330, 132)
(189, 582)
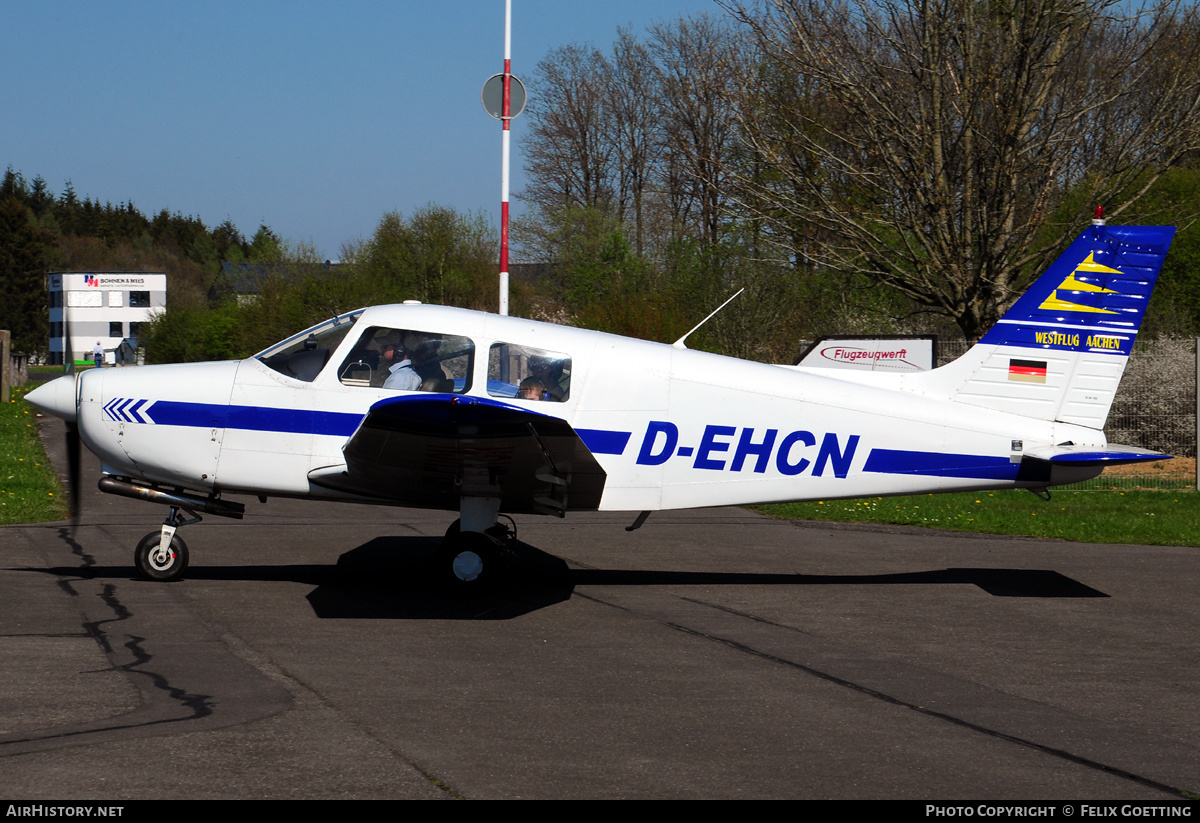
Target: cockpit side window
(527, 373)
(409, 360)
(303, 356)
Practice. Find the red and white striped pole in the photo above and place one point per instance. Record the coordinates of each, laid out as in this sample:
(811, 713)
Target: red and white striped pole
(505, 119)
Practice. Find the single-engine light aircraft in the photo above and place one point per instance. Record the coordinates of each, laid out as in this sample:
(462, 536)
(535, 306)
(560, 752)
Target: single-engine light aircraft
(479, 414)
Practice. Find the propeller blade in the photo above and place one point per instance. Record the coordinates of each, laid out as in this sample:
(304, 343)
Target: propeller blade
(68, 352)
(73, 444)
(73, 448)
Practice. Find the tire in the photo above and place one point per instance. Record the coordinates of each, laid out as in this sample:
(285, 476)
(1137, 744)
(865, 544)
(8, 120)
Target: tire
(152, 568)
(470, 561)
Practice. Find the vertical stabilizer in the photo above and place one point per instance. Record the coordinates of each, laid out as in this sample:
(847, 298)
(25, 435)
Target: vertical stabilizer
(1060, 351)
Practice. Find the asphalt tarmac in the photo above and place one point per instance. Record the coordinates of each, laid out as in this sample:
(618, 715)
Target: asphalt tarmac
(310, 653)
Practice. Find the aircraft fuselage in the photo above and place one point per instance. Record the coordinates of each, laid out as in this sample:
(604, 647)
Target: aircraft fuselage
(671, 427)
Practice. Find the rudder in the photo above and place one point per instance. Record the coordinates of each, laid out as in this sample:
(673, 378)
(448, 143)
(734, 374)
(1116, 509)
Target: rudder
(1060, 351)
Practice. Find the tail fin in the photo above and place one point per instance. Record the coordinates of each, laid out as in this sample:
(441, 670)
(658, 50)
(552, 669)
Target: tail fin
(1060, 351)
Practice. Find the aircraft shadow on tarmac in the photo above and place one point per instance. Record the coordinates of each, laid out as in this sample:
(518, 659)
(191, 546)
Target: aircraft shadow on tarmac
(399, 578)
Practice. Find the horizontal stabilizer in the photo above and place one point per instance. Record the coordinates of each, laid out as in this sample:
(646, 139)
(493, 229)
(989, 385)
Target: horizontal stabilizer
(1111, 455)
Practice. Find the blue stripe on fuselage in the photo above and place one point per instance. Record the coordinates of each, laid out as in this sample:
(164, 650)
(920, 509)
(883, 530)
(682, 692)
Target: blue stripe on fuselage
(307, 421)
(603, 441)
(938, 464)
(254, 418)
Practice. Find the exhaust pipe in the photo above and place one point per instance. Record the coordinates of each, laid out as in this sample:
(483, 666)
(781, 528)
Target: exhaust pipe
(208, 505)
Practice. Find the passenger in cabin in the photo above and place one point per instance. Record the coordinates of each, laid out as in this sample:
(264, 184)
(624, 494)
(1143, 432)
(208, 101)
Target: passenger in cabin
(531, 388)
(549, 371)
(423, 349)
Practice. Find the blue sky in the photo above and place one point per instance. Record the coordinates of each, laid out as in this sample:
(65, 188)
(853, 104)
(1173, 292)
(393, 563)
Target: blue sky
(313, 117)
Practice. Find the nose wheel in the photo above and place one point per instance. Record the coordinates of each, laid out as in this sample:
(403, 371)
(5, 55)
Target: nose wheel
(155, 561)
(162, 555)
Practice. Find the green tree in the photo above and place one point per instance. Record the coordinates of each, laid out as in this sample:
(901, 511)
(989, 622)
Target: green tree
(40, 198)
(265, 246)
(13, 186)
(1175, 305)
(229, 243)
(26, 254)
(436, 256)
(593, 277)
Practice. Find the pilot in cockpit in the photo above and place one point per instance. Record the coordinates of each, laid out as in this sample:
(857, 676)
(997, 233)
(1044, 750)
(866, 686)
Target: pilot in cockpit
(401, 374)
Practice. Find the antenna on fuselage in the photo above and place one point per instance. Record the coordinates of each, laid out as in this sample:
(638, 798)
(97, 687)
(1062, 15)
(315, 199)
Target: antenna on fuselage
(679, 343)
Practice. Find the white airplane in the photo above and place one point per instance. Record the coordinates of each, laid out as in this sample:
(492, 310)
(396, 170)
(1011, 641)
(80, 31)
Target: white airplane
(445, 408)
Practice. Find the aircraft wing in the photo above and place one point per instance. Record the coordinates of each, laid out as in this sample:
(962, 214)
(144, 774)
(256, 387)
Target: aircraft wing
(432, 450)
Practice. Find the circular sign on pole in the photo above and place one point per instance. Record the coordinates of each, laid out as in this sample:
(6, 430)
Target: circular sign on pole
(493, 96)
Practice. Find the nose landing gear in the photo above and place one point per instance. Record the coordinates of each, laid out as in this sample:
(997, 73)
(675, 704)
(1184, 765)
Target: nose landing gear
(162, 555)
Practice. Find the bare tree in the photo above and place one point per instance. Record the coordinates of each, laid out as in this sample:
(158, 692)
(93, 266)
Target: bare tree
(571, 154)
(698, 60)
(935, 145)
(632, 102)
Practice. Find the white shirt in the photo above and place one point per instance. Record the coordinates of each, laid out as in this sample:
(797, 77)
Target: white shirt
(402, 377)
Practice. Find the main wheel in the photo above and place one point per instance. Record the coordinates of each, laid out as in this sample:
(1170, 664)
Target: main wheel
(162, 566)
(471, 561)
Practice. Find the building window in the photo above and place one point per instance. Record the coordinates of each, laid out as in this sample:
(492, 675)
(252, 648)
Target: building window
(135, 331)
(139, 299)
(115, 329)
(85, 299)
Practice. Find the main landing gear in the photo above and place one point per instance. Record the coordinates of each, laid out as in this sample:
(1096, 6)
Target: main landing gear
(162, 555)
(472, 557)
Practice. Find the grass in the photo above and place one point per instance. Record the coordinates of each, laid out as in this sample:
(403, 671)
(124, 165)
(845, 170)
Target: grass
(40, 374)
(29, 488)
(1156, 518)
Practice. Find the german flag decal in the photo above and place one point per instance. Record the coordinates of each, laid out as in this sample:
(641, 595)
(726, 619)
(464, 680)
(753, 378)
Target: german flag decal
(1027, 371)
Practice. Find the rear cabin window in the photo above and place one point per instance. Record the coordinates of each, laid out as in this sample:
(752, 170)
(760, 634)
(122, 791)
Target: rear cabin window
(409, 360)
(527, 373)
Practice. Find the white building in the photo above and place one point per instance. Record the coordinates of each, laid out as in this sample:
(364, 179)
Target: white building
(104, 306)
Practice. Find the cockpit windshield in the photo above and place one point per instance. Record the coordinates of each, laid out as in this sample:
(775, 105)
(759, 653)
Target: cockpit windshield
(302, 356)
